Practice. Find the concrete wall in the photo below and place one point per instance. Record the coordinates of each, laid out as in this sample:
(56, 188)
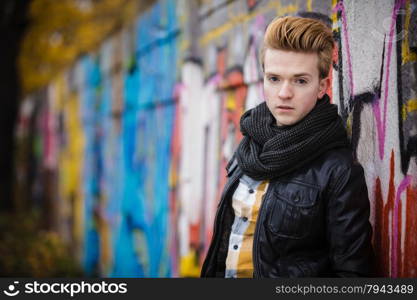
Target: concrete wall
(127, 149)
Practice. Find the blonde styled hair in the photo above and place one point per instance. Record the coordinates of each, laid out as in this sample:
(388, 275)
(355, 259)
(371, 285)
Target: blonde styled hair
(300, 35)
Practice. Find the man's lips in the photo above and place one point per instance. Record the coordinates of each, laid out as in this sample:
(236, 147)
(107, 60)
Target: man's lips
(284, 107)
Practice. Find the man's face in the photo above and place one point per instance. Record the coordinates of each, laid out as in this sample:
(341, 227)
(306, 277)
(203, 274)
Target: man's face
(292, 84)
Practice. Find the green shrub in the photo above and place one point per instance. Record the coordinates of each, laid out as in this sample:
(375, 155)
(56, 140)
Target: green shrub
(27, 251)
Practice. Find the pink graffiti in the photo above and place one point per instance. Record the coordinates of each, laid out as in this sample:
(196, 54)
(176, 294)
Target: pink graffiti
(178, 89)
(340, 7)
(215, 80)
(256, 31)
(381, 127)
(50, 142)
(394, 259)
(252, 61)
(260, 23)
(381, 122)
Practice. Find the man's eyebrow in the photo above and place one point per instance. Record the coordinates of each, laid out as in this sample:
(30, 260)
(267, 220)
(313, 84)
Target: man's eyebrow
(302, 74)
(295, 75)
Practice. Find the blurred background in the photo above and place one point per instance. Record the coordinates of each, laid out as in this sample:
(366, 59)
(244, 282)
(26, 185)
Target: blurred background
(119, 116)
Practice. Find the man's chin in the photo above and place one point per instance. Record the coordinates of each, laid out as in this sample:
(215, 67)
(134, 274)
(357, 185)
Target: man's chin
(285, 122)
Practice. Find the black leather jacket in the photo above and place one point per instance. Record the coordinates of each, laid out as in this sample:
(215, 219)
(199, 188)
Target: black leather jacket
(312, 223)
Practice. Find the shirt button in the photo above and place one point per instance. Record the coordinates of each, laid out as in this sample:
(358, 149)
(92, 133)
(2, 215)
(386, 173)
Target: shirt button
(235, 247)
(244, 219)
(251, 191)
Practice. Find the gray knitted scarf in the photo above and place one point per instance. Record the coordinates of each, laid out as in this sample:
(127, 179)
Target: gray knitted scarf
(269, 151)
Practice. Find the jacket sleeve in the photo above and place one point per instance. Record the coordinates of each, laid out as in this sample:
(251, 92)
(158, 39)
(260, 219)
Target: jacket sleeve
(349, 231)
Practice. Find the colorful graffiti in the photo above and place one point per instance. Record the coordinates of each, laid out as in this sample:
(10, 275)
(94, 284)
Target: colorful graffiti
(374, 96)
(131, 143)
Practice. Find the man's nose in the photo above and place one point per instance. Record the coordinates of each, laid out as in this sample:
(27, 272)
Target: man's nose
(285, 91)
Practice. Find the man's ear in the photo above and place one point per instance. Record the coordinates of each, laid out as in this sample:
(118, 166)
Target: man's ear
(323, 85)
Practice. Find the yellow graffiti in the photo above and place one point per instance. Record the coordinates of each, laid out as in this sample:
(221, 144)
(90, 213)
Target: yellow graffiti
(184, 45)
(288, 9)
(334, 16)
(349, 124)
(104, 231)
(230, 102)
(189, 265)
(406, 53)
(173, 176)
(60, 31)
(141, 250)
(244, 18)
(309, 5)
(71, 162)
(410, 106)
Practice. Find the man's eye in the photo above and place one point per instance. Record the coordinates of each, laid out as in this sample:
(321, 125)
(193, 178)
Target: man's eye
(301, 81)
(273, 78)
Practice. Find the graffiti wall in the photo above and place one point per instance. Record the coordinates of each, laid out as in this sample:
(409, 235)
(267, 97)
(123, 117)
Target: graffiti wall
(375, 88)
(125, 152)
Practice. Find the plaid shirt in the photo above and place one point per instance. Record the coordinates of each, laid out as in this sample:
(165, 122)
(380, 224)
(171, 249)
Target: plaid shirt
(246, 203)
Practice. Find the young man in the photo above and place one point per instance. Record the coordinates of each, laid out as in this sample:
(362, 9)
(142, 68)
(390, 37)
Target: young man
(295, 204)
